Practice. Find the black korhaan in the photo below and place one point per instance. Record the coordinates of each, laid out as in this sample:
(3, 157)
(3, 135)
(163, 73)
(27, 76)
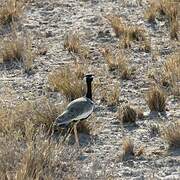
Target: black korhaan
(78, 110)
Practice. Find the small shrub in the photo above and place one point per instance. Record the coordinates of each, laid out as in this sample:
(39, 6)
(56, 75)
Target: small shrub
(10, 11)
(67, 82)
(171, 134)
(17, 49)
(156, 99)
(126, 114)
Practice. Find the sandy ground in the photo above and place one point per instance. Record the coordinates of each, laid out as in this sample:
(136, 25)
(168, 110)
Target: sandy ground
(48, 21)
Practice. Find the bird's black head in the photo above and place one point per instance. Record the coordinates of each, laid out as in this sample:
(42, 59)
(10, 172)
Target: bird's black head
(89, 77)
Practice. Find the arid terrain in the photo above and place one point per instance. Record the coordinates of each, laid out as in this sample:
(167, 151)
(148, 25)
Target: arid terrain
(132, 48)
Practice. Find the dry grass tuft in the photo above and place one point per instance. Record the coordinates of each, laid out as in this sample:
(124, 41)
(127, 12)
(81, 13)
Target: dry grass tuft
(134, 33)
(168, 9)
(117, 61)
(17, 118)
(117, 24)
(156, 99)
(26, 152)
(128, 148)
(73, 44)
(171, 134)
(126, 114)
(67, 82)
(17, 49)
(129, 33)
(35, 161)
(10, 11)
(150, 13)
(111, 95)
(170, 74)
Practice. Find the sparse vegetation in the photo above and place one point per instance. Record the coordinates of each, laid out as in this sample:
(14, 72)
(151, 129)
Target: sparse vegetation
(67, 83)
(156, 99)
(117, 61)
(111, 96)
(170, 74)
(73, 44)
(167, 8)
(68, 39)
(10, 11)
(16, 48)
(128, 148)
(117, 24)
(25, 151)
(126, 114)
(171, 134)
(129, 33)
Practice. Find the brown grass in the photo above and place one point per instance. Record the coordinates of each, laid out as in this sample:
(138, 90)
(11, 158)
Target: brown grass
(167, 8)
(128, 148)
(26, 152)
(156, 99)
(117, 24)
(67, 82)
(73, 44)
(111, 95)
(128, 33)
(40, 113)
(126, 114)
(171, 134)
(170, 74)
(10, 11)
(117, 61)
(16, 48)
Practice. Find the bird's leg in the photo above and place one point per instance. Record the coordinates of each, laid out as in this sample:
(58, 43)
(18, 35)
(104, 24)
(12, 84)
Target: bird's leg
(76, 135)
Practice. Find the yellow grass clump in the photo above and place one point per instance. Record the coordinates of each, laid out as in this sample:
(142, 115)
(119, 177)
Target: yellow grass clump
(117, 24)
(156, 99)
(10, 11)
(171, 134)
(73, 44)
(117, 61)
(170, 74)
(128, 148)
(111, 95)
(167, 8)
(127, 114)
(16, 48)
(67, 82)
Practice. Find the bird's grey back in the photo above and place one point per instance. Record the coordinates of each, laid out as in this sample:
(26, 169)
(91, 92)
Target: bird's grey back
(78, 109)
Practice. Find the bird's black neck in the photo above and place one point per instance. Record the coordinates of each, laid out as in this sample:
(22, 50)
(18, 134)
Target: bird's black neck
(89, 90)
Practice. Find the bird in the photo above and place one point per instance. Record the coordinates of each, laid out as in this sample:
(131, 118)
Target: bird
(78, 109)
